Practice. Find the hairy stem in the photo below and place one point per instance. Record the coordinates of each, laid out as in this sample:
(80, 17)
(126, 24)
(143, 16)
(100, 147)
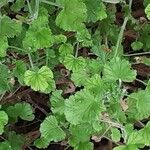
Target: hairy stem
(120, 37)
(30, 59)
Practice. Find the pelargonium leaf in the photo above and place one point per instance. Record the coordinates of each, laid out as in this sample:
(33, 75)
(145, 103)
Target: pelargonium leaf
(38, 79)
(51, 131)
(119, 68)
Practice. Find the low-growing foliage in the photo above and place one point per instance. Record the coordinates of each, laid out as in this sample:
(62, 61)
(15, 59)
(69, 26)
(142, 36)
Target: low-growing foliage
(39, 37)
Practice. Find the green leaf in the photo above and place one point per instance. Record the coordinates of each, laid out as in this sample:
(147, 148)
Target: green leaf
(4, 75)
(135, 138)
(79, 77)
(22, 110)
(38, 79)
(57, 102)
(143, 136)
(72, 16)
(128, 147)
(137, 45)
(96, 85)
(3, 121)
(80, 134)
(19, 71)
(74, 63)
(138, 105)
(51, 131)
(5, 146)
(115, 134)
(9, 27)
(41, 38)
(41, 143)
(147, 11)
(65, 49)
(83, 107)
(17, 5)
(96, 10)
(4, 46)
(16, 141)
(117, 69)
(84, 146)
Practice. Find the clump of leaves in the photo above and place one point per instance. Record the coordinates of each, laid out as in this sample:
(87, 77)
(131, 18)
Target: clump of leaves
(38, 38)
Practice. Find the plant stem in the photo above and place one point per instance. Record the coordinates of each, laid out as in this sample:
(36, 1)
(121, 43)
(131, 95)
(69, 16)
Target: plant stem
(37, 4)
(141, 82)
(137, 54)
(47, 58)
(30, 59)
(111, 140)
(29, 7)
(51, 3)
(120, 37)
(77, 49)
(17, 48)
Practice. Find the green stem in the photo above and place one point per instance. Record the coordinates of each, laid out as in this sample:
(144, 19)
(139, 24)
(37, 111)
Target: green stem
(30, 59)
(37, 3)
(77, 49)
(137, 54)
(17, 48)
(51, 3)
(29, 7)
(141, 82)
(120, 37)
(47, 58)
(111, 140)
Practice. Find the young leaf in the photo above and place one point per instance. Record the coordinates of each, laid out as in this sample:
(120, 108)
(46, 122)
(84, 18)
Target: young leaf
(115, 134)
(51, 131)
(41, 143)
(22, 110)
(38, 79)
(137, 45)
(138, 105)
(119, 68)
(83, 107)
(3, 121)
